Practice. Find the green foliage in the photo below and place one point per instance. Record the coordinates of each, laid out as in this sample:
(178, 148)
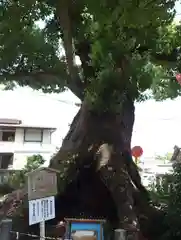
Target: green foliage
(164, 158)
(166, 194)
(132, 48)
(173, 217)
(18, 179)
(160, 190)
(25, 49)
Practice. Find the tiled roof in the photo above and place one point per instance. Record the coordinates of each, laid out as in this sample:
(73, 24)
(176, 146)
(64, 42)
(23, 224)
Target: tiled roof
(27, 126)
(10, 121)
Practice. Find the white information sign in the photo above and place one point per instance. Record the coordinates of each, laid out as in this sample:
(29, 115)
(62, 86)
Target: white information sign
(41, 210)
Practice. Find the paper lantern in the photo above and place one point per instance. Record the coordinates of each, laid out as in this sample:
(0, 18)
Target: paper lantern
(178, 77)
(137, 151)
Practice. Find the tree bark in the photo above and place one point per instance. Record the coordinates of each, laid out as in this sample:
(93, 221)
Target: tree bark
(100, 178)
(101, 141)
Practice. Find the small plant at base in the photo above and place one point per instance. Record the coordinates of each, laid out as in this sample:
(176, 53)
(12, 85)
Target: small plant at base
(17, 179)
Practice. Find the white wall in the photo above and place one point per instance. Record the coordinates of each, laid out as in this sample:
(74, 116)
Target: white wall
(19, 135)
(22, 149)
(47, 136)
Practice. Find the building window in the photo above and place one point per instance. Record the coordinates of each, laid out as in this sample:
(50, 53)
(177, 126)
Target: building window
(7, 135)
(33, 135)
(6, 160)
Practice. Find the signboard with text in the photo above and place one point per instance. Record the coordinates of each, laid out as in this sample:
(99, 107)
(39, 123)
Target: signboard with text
(42, 183)
(41, 210)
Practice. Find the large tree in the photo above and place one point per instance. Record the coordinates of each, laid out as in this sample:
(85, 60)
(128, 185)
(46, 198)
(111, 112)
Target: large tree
(128, 50)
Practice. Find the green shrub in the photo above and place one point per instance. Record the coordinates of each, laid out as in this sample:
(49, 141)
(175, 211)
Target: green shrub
(160, 189)
(166, 194)
(173, 216)
(18, 178)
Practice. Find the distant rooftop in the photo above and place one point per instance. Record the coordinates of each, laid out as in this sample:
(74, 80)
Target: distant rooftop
(16, 123)
(10, 121)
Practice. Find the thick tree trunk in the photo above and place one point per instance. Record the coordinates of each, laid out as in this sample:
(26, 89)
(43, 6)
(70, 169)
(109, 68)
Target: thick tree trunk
(101, 141)
(100, 179)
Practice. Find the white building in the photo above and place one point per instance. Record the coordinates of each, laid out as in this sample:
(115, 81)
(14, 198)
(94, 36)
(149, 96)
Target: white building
(152, 168)
(18, 141)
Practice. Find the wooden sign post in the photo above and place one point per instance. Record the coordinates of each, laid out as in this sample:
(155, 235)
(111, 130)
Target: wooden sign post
(42, 188)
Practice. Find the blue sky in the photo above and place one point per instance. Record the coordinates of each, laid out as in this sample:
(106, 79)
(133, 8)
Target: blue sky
(157, 124)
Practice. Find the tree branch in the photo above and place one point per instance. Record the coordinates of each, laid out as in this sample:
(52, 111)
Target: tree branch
(49, 80)
(77, 87)
(83, 50)
(66, 25)
(172, 57)
(63, 13)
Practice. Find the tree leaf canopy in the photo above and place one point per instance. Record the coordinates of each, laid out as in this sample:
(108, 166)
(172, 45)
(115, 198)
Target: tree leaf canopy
(131, 46)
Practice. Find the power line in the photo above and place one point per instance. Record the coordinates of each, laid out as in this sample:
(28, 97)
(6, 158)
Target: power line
(79, 104)
(36, 93)
(59, 100)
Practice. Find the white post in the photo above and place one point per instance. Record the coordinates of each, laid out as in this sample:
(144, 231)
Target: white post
(120, 234)
(5, 229)
(42, 230)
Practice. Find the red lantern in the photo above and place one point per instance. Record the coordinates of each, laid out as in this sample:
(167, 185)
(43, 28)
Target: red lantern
(137, 151)
(178, 77)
